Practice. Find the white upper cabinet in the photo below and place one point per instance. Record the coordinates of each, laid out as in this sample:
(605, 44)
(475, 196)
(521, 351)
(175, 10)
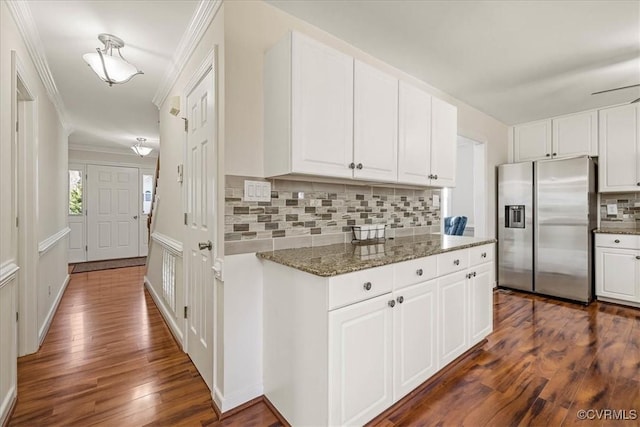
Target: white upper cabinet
(308, 109)
(575, 135)
(532, 141)
(619, 149)
(375, 130)
(564, 136)
(428, 130)
(444, 131)
(414, 153)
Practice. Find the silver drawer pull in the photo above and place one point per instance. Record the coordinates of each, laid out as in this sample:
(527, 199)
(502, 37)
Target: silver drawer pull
(367, 286)
(616, 241)
(456, 261)
(419, 272)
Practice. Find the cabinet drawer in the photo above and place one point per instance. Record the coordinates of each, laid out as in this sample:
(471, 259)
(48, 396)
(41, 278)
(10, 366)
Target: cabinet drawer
(415, 271)
(481, 254)
(453, 261)
(349, 288)
(623, 241)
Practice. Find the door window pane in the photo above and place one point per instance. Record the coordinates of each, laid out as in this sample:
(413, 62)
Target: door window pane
(147, 193)
(75, 192)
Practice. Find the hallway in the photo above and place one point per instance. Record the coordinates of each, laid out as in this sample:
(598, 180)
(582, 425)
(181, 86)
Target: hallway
(109, 359)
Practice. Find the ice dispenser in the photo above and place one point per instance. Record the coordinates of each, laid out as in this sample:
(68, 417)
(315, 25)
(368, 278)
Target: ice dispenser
(514, 216)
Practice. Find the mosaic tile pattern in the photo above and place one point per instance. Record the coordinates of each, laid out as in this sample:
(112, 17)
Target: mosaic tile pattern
(628, 214)
(301, 208)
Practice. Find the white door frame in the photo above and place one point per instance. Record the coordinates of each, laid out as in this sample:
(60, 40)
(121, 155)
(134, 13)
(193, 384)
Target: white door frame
(26, 140)
(208, 64)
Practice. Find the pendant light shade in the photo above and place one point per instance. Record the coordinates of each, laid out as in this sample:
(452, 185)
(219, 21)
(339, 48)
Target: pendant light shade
(111, 68)
(140, 149)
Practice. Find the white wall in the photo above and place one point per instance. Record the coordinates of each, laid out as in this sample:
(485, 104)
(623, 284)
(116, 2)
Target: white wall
(47, 188)
(252, 27)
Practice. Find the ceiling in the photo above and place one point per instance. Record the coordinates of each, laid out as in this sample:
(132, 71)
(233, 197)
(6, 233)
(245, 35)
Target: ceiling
(99, 115)
(517, 61)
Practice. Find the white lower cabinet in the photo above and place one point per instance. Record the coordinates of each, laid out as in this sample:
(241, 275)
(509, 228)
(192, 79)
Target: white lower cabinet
(339, 351)
(360, 362)
(618, 274)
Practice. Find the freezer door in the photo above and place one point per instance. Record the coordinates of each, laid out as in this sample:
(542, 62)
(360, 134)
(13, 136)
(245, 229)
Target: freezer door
(515, 226)
(563, 244)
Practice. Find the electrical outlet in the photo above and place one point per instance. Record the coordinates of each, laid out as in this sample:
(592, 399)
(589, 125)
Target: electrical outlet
(257, 191)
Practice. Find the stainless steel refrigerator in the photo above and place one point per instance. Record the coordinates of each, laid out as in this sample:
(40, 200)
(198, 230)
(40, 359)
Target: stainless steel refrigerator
(546, 215)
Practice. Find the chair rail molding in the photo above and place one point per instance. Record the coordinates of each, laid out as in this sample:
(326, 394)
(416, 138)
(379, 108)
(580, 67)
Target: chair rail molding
(8, 272)
(49, 242)
(31, 36)
(172, 245)
(204, 14)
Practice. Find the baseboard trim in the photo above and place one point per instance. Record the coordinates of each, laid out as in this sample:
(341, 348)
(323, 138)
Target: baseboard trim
(8, 406)
(254, 401)
(42, 333)
(426, 386)
(277, 413)
(166, 314)
(235, 400)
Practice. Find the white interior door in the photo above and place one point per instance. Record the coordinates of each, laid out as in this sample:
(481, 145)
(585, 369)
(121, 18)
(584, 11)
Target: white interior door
(200, 225)
(147, 187)
(112, 212)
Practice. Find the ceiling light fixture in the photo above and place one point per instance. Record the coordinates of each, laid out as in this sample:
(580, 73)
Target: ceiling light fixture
(113, 69)
(140, 149)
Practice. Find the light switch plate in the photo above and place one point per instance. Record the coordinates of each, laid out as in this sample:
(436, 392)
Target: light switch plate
(257, 191)
(612, 209)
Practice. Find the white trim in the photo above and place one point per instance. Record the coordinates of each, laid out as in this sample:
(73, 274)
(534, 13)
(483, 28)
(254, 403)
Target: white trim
(204, 14)
(8, 272)
(238, 398)
(42, 333)
(49, 242)
(205, 66)
(124, 151)
(165, 312)
(217, 397)
(7, 405)
(29, 32)
(172, 245)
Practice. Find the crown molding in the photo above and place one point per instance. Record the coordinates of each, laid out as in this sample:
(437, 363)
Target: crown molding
(31, 37)
(204, 14)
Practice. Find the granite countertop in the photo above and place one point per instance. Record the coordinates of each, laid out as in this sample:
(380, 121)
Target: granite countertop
(617, 231)
(331, 260)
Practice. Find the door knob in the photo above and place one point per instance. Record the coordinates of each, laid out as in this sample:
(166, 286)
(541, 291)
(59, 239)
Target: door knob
(135, 217)
(205, 245)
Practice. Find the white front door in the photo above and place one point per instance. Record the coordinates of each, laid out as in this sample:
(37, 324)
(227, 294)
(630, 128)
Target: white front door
(112, 212)
(200, 225)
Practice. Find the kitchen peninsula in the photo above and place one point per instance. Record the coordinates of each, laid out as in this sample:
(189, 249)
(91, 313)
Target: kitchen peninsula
(349, 330)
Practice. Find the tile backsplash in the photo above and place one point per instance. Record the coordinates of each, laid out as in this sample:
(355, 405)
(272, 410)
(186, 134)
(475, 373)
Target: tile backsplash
(628, 205)
(308, 213)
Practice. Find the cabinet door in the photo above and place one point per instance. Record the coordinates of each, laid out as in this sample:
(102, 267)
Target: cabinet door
(575, 135)
(617, 274)
(619, 128)
(322, 109)
(452, 295)
(360, 361)
(375, 131)
(481, 302)
(444, 135)
(414, 134)
(414, 336)
(532, 141)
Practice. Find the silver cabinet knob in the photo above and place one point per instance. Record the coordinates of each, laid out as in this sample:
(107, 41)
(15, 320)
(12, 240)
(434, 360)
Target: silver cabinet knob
(638, 183)
(135, 217)
(468, 276)
(352, 165)
(474, 274)
(617, 241)
(392, 303)
(400, 299)
(555, 154)
(435, 176)
(548, 155)
(205, 245)
(456, 261)
(367, 286)
(483, 255)
(419, 272)
(359, 166)
(637, 256)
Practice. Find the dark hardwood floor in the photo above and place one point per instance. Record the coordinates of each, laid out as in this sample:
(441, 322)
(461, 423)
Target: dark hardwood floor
(109, 359)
